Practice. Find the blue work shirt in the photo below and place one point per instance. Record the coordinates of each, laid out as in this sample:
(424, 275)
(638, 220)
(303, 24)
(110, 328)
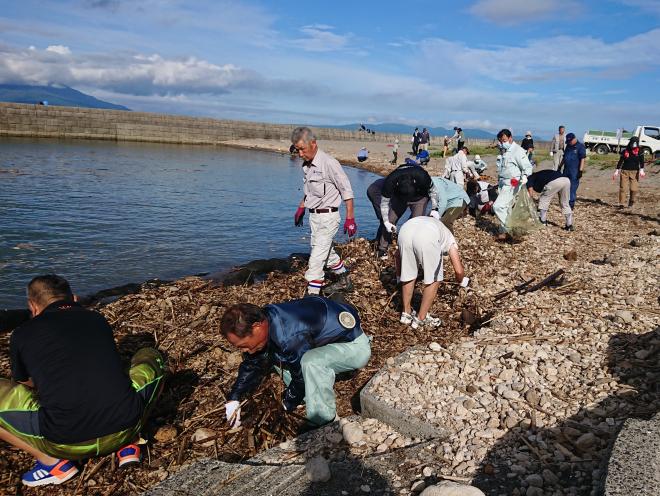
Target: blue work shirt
(572, 156)
(449, 194)
(294, 328)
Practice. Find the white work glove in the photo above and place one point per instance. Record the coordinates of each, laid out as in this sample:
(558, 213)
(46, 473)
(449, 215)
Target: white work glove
(389, 227)
(523, 181)
(233, 413)
(552, 153)
(465, 282)
(616, 174)
(641, 173)
(435, 214)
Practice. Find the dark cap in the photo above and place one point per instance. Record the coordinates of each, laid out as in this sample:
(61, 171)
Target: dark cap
(570, 137)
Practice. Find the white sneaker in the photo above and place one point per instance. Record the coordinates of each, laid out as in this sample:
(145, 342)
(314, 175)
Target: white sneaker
(407, 318)
(429, 322)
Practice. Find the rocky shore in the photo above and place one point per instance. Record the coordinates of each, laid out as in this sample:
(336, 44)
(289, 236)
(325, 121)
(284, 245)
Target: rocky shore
(530, 388)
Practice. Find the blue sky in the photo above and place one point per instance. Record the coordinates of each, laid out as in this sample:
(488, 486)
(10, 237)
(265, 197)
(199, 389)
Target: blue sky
(523, 64)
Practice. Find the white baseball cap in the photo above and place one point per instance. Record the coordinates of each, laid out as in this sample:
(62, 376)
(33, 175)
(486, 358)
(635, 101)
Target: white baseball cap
(477, 157)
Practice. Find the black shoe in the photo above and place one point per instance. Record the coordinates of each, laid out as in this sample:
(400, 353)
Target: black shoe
(569, 228)
(342, 284)
(382, 254)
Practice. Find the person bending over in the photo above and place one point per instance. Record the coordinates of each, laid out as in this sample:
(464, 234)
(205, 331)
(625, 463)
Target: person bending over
(311, 340)
(70, 397)
(424, 240)
(550, 183)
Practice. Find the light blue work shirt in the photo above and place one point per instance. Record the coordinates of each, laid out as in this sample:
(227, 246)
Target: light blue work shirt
(449, 194)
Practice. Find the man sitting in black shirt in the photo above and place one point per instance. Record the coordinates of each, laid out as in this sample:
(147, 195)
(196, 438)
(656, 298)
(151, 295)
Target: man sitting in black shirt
(407, 186)
(86, 404)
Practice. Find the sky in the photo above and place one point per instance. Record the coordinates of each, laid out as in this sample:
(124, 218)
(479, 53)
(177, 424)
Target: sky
(488, 64)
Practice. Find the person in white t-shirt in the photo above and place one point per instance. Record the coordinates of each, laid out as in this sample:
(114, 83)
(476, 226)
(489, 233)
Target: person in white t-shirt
(423, 241)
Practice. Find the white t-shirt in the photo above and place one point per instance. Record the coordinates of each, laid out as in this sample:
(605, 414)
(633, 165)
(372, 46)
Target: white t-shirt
(423, 241)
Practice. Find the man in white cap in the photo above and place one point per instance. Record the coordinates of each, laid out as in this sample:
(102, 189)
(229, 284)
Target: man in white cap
(479, 164)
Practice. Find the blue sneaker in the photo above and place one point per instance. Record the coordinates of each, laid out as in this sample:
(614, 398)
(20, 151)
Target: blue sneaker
(43, 475)
(129, 455)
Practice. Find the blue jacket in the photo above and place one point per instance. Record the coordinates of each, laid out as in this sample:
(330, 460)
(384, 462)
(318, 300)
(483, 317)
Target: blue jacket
(572, 156)
(294, 328)
(449, 194)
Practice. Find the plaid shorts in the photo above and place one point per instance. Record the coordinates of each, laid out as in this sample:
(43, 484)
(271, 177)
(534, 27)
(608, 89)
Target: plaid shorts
(19, 411)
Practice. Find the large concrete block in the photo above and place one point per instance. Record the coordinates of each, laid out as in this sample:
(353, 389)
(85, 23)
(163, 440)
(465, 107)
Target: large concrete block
(373, 406)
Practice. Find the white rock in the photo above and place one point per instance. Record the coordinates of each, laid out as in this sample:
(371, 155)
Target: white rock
(317, 469)
(365, 488)
(435, 346)
(446, 488)
(352, 433)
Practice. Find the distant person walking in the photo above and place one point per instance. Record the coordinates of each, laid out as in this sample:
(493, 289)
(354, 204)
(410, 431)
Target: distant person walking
(557, 147)
(527, 144)
(415, 141)
(459, 137)
(445, 146)
(630, 170)
(325, 185)
(573, 164)
(424, 139)
(395, 151)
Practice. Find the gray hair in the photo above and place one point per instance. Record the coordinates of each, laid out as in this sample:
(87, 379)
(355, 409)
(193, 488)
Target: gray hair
(302, 133)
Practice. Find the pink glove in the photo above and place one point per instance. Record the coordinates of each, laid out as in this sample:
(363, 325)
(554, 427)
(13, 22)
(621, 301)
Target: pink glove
(350, 227)
(514, 182)
(298, 218)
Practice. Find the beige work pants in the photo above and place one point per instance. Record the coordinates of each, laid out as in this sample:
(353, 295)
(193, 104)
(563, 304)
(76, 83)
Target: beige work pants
(629, 182)
(561, 186)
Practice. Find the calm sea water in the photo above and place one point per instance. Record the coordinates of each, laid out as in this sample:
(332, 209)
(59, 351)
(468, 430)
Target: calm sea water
(104, 214)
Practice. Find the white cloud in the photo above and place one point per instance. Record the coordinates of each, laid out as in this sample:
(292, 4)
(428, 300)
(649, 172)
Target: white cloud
(320, 38)
(508, 12)
(128, 73)
(60, 49)
(557, 58)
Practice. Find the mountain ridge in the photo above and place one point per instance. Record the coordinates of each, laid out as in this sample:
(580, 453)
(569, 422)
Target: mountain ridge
(54, 95)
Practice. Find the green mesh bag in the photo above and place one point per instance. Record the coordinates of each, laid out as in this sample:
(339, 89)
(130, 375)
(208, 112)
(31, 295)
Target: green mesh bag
(523, 218)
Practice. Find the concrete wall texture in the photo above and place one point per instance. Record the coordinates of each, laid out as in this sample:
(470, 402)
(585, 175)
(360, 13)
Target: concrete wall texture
(38, 121)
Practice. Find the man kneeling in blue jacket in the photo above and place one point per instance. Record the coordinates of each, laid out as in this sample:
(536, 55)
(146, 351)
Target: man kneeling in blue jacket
(309, 340)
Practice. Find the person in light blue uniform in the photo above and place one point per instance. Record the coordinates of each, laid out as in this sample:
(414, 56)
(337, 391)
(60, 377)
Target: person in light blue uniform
(513, 167)
(308, 341)
(573, 164)
(451, 201)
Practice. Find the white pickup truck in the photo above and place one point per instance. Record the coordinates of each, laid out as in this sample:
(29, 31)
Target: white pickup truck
(603, 142)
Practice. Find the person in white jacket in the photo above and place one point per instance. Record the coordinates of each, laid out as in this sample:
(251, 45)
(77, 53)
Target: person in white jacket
(512, 170)
(456, 167)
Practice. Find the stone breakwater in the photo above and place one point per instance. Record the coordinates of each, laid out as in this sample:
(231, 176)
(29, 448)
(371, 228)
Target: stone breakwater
(38, 121)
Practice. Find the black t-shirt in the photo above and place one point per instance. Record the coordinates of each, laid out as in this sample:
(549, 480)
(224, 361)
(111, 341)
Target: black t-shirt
(408, 183)
(539, 179)
(527, 143)
(631, 161)
(70, 354)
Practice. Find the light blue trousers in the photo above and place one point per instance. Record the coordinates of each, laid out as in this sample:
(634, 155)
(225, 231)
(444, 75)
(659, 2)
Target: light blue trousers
(319, 366)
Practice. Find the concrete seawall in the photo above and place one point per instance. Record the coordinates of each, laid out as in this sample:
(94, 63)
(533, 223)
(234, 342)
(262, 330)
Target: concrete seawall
(38, 121)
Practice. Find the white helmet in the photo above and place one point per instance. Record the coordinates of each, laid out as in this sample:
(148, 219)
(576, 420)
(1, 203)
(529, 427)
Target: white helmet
(477, 157)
